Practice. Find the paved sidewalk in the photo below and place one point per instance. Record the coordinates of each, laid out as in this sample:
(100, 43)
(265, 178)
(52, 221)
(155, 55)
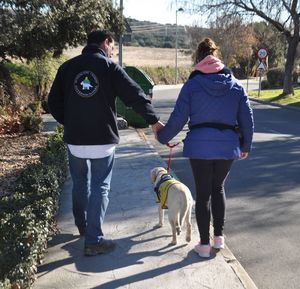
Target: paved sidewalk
(143, 259)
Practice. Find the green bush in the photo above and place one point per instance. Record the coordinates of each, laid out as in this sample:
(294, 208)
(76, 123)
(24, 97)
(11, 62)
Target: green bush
(27, 216)
(275, 77)
(43, 72)
(166, 74)
(239, 72)
(37, 74)
(31, 118)
(295, 77)
(20, 73)
(265, 84)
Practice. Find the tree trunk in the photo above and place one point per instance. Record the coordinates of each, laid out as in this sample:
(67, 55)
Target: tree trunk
(8, 85)
(289, 65)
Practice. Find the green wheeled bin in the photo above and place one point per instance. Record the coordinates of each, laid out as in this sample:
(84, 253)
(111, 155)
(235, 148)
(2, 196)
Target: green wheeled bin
(146, 83)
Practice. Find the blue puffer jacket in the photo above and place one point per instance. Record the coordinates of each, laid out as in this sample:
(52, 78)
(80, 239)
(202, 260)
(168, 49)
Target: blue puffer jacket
(214, 98)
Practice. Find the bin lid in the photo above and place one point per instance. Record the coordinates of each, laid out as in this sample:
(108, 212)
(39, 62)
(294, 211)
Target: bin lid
(139, 76)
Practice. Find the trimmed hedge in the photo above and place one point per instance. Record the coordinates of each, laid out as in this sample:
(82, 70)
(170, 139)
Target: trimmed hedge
(27, 217)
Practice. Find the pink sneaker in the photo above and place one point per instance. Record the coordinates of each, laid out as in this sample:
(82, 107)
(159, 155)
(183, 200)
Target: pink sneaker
(219, 242)
(203, 250)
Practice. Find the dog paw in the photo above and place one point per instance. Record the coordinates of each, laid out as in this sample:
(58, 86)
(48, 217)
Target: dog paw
(157, 226)
(173, 243)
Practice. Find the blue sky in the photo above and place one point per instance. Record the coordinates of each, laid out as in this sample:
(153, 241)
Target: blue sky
(160, 11)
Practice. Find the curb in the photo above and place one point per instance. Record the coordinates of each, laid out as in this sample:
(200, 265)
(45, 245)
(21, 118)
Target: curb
(228, 256)
(275, 104)
(238, 269)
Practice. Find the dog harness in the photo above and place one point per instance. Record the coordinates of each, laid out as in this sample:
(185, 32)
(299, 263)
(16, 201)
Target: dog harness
(162, 189)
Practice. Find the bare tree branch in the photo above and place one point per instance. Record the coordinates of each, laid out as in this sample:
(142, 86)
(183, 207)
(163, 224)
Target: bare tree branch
(287, 7)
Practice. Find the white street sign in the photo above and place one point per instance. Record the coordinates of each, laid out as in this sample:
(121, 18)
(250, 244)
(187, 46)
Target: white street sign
(261, 66)
(262, 53)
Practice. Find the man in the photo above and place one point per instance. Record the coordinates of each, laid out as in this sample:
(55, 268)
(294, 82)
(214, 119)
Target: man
(82, 98)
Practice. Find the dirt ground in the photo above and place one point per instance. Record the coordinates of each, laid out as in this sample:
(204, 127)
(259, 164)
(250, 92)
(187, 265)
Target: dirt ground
(16, 152)
(145, 56)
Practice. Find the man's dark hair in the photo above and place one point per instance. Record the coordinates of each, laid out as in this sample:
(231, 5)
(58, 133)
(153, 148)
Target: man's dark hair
(98, 36)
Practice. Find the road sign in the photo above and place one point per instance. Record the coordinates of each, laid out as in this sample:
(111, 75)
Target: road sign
(261, 66)
(262, 53)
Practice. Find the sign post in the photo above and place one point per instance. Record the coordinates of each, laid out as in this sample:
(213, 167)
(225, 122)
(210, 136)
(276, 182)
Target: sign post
(262, 55)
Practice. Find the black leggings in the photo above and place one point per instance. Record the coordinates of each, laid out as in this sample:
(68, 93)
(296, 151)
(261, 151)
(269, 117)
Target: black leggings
(210, 176)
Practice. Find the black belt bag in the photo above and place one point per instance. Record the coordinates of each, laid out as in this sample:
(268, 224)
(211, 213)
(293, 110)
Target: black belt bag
(220, 126)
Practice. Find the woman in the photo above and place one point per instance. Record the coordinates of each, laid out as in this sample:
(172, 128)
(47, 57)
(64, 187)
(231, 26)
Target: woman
(213, 103)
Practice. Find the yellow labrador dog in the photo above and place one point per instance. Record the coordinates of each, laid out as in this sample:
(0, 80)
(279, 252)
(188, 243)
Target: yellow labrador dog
(175, 196)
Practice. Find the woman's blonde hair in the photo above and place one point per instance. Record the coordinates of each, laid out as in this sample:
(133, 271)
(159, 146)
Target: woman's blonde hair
(206, 47)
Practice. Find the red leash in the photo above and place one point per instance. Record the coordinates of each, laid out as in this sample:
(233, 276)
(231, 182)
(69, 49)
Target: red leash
(170, 154)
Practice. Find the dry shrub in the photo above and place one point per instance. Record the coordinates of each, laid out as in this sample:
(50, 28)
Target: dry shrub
(19, 119)
(9, 120)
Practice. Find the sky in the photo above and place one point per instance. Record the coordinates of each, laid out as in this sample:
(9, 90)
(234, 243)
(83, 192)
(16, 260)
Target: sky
(159, 11)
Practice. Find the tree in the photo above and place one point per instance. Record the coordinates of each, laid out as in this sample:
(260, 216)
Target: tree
(228, 32)
(196, 34)
(32, 28)
(284, 15)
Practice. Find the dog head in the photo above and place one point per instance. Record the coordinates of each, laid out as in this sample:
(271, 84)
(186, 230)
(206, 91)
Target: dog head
(156, 172)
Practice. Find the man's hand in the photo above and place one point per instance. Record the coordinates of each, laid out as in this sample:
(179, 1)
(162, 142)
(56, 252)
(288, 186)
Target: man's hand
(156, 127)
(243, 156)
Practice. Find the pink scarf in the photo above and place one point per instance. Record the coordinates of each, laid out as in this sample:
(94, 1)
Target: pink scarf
(209, 64)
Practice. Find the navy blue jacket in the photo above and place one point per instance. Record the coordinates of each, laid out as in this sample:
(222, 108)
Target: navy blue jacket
(83, 98)
(211, 98)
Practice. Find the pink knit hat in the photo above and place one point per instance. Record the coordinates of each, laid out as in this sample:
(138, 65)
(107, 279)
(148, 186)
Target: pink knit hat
(209, 64)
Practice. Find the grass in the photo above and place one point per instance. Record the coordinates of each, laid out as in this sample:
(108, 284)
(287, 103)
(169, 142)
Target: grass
(166, 75)
(145, 56)
(276, 96)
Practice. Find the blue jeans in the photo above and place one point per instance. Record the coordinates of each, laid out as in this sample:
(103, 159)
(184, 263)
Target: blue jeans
(90, 196)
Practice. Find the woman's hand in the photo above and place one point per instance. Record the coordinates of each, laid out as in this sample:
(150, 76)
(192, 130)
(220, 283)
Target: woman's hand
(243, 155)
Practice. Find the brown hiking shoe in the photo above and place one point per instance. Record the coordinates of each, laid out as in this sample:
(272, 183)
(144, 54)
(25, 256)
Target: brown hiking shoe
(105, 246)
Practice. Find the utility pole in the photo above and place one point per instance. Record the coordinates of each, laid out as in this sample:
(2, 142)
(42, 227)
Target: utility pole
(176, 46)
(121, 37)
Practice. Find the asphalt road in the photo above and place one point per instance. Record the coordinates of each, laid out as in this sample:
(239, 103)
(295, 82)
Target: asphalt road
(263, 193)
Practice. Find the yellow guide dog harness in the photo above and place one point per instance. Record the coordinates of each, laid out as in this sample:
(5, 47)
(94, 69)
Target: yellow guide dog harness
(162, 189)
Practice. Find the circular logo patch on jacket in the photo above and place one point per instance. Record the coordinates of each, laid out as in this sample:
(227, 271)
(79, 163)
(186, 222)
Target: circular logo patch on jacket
(86, 84)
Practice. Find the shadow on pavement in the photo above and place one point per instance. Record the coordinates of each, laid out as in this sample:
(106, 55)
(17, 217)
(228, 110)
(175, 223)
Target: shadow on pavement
(130, 252)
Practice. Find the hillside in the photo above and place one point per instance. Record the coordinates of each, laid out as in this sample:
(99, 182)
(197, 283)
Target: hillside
(151, 34)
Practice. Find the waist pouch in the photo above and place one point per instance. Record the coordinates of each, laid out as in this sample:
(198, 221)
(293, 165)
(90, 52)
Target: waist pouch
(220, 126)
